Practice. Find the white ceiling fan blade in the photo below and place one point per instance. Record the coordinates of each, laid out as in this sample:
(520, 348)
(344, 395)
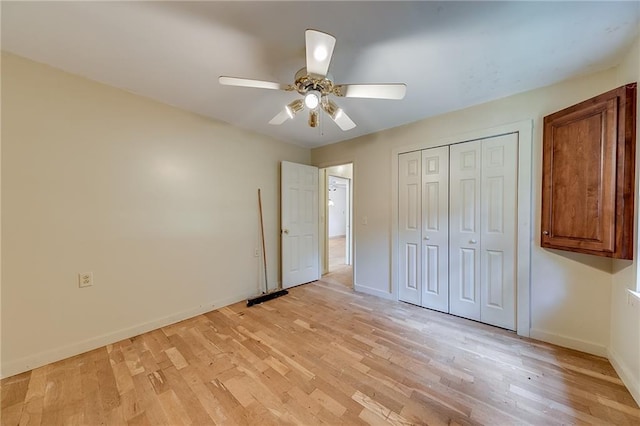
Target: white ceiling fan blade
(247, 82)
(281, 117)
(373, 91)
(288, 112)
(319, 47)
(343, 121)
(338, 115)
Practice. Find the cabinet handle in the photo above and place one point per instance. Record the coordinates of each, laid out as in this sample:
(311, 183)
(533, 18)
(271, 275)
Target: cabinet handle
(472, 241)
(545, 232)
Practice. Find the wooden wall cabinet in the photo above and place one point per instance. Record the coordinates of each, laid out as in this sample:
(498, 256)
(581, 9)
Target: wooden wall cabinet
(588, 176)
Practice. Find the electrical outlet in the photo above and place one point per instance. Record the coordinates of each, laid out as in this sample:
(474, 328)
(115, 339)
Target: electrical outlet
(85, 279)
(256, 252)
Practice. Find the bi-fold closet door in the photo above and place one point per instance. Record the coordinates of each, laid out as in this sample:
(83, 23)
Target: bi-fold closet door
(424, 227)
(457, 229)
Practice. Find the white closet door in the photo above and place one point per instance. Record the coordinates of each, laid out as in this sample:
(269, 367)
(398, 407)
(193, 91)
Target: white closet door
(498, 236)
(464, 224)
(409, 223)
(435, 228)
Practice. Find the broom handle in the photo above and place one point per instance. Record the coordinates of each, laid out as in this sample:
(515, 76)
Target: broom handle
(264, 250)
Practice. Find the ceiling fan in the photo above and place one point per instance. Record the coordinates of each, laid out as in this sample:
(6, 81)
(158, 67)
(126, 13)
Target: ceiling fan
(315, 85)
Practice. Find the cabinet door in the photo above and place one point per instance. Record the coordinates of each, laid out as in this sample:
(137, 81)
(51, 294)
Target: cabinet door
(435, 228)
(409, 227)
(580, 160)
(588, 176)
(498, 231)
(464, 230)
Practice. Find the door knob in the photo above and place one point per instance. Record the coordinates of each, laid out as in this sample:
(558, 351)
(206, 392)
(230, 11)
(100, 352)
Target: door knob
(545, 232)
(426, 238)
(286, 231)
(472, 241)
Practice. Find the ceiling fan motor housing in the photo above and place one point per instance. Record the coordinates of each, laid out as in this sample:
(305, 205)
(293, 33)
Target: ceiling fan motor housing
(305, 82)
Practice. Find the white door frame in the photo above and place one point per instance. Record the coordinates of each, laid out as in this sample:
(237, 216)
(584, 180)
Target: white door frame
(523, 261)
(324, 213)
(349, 219)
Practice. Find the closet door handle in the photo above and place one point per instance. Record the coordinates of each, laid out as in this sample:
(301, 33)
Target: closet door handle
(545, 232)
(426, 238)
(472, 241)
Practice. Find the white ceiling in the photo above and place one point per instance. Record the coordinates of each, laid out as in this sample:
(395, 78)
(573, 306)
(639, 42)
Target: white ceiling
(450, 54)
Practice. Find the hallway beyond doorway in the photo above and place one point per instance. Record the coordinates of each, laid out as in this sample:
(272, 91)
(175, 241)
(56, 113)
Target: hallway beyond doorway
(339, 272)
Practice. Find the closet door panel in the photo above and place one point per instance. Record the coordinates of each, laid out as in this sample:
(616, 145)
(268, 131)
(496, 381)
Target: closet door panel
(435, 228)
(498, 230)
(409, 227)
(464, 229)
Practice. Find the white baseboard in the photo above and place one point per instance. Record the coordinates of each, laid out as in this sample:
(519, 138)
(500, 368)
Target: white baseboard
(630, 381)
(373, 292)
(43, 358)
(569, 342)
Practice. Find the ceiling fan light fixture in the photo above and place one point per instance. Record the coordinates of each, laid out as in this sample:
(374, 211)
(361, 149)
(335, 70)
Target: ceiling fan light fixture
(294, 107)
(312, 99)
(313, 118)
(332, 109)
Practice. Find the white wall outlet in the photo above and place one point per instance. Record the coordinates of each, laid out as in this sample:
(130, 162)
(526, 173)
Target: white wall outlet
(85, 279)
(256, 252)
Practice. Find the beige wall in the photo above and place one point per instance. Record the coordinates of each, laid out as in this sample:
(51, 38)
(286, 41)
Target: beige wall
(160, 204)
(344, 170)
(624, 350)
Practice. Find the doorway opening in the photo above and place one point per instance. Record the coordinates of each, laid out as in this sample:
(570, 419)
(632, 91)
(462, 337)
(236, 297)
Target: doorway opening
(338, 237)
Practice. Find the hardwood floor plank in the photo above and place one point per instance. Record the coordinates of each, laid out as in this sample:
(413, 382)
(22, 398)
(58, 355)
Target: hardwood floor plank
(123, 377)
(173, 408)
(139, 420)
(333, 406)
(208, 402)
(176, 358)
(148, 400)
(15, 389)
(11, 414)
(130, 406)
(108, 388)
(31, 414)
(322, 355)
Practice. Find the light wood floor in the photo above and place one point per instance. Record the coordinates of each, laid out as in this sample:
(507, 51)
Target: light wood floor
(339, 272)
(337, 250)
(322, 354)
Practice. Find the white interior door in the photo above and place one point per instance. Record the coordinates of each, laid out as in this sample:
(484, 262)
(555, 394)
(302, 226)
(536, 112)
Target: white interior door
(464, 225)
(435, 228)
(300, 225)
(409, 224)
(498, 230)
